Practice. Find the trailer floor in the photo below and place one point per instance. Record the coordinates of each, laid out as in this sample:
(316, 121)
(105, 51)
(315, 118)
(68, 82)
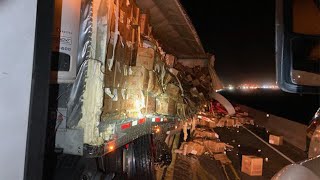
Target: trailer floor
(204, 167)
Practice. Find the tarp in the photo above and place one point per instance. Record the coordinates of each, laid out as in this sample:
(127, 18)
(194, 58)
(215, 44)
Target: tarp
(173, 28)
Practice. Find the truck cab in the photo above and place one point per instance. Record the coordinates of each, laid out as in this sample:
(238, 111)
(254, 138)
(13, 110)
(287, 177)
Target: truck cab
(297, 60)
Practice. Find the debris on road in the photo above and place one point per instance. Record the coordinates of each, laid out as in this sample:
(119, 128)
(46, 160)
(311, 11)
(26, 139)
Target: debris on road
(275, 140)
(252, 165)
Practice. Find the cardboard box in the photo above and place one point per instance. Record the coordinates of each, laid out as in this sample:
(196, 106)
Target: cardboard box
(165, 105)
(144, 23)
(221, 122)
(223, 158)
(145, 58)
(138, 78)
(151, 81)
(134, 100)
(170, 59)
(205, 134)
(194, 92)
(275, 140)
(238, 122)
(252, 165)
(189, 78)
(172, 90)
(192, 148)
(230, 122)
(126, 18)
(150, 105)
(214, 147)
(195, 82)
(181, 109)
(168, 77)
(119, 69)
(157, 90)
(174, 71)
(211, 124)
(202, 122)
(112, 100)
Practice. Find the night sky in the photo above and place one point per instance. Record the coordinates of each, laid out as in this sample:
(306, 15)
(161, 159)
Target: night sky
(240, 34)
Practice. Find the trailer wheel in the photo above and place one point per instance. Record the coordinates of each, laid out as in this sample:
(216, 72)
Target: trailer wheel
(132, 161)
(143, 157)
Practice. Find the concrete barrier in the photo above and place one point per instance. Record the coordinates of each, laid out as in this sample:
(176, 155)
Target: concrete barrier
(292, 132)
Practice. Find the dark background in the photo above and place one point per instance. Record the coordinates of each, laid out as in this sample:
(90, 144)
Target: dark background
(240, 34)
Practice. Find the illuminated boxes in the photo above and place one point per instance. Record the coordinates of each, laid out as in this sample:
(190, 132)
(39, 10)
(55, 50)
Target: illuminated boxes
(137, 78)
(165, 105)
(112, 100)
(134, 100)
(145, 58)
(252, 165)
(151, 81)
(150, 107)
(275, 140)
(157, 90)
(172, 90)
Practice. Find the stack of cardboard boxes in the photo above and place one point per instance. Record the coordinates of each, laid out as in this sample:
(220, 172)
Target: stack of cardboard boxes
(134, 85)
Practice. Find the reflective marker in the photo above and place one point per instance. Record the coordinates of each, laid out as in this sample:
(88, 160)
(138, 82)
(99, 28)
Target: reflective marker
(158, 119)
(134, 123)
(125, 126)
(141, 121)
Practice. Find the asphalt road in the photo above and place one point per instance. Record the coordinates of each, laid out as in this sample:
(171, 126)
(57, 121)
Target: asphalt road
(204, 167)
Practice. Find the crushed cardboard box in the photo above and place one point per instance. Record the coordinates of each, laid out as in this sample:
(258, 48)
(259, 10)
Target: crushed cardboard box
(214, 146)
(172, 90)
(199, 133)
(191, 148)
(223, 158)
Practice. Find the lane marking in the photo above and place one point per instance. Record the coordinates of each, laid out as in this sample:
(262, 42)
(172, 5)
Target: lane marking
(276, 150)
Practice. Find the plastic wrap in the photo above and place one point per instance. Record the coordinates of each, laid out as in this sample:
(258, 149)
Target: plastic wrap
(115, 38)
(85, 31)
(74, 103)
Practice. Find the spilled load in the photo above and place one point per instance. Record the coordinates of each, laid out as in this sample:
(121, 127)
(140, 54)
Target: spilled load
(135, 70)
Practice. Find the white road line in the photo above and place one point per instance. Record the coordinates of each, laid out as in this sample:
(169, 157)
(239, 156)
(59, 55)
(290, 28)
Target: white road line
(276, 150)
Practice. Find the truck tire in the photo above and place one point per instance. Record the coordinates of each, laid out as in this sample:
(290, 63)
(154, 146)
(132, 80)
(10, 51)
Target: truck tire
(143, 158)
(133, 161)
(114, 161)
